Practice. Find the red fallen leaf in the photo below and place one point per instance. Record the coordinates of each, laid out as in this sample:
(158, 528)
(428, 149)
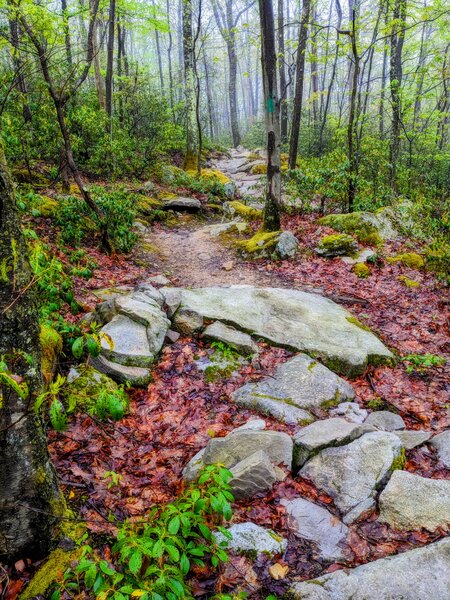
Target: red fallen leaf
(334, 567)
(14, 589)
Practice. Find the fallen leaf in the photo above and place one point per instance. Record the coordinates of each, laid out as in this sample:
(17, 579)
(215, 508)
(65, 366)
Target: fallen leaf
(278, 571)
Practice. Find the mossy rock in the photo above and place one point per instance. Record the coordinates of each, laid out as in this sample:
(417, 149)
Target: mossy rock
(361, 270)
(261, 244)
(242, 210)
(338, 244)
(367, 227)
(411, 283)
(210, 175)
(51, 346)
(84, 388)
(167, 196)
(260, 169)
(410, 259)
(146, 205)
(51, 571)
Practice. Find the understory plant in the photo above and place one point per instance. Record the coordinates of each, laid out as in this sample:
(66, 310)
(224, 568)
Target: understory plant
(421, 363)
(152, 558)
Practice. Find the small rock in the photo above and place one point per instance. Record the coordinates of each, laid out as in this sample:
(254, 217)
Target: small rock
(192, 470)
(350, 474)
(159, 280)
(412, 439)
(187, 322)
(182, 204)
(238, 340)
(312, 522)
(254, 424)
(172, 299)
(105, 311)
(385, 420)
(442, 444)
(136, 376)
(227, 266)
(172, 336)
(363, 507)
(238, 445)
(287, 245)
(228, 227)
(252, 475)
(361, 257)
(139, 226)
(113, 292)
(350, 411)
(420, 574)
(249, 537)
(147, 289)
(410, 502)
(322, 434)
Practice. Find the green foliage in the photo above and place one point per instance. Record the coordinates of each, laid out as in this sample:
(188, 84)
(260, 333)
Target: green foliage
(10, 380)
(421, 363)
(204, 185)
(77, 222)
(152, 559)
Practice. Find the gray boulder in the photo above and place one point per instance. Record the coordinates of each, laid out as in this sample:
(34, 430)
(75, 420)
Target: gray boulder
(249, 537)
(412, 439)
(410, 502)
(126, 342)
(137, 376)
(182, 204)
(252, 475)
(158, 280)
(287, 245)
(229, 227)
(172, 299)
(187, 322)
(323, 434)
(291, 318)
(385, 420)
(238, 445)
(312, 522)
(299, 383)
(238, 340)
(442, 444)
(350, 474)
(146, 292)
(420, 574)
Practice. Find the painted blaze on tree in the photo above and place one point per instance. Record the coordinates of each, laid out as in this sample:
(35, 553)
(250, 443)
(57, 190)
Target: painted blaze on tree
(28, 490)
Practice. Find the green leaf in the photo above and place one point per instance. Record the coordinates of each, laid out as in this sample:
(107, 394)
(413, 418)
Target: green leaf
(184, 564)
(173, 552)
(90, 575)
(158, 549)
(176, 587)
(135, 562)
(77, 347)
(174, 525)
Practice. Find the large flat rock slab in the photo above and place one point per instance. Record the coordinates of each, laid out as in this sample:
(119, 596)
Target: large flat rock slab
(421, 574)
(301, 382)
(352, 473)
(293, 319)
(411, 502)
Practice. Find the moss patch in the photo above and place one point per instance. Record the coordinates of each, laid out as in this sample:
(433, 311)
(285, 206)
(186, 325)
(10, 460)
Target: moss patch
(399, 461)
(411, 283)
(85, 390)
(361, 270)
(260, 169)
(210, 174)
(357, 223)
(52, 571)
(247, 212)
(358, 323)
(410, 259)
(46, 206)
(51, 345)
(338, 243)
(261, 242)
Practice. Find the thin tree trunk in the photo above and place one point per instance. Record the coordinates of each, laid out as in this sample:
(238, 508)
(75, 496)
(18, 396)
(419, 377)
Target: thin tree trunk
(65, 18)
(28, 487)
(300, 77)
(97, 69)
(159, 57)
(272, 114)
(351, 133)
(169, 57)
(383, 79)
(282, 71)
(19, 66)
(190, 159)
(110, 57)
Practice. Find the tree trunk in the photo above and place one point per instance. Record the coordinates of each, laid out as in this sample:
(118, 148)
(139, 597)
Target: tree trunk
(97, 69)
(110, 57)
(169, 57)
(19, 66)
(190, 159)
(65, 17)
(28, 486)
(351, 128)
(282, 70)
(396, 75)
(383, 81)
(300, 77)
(272, 114)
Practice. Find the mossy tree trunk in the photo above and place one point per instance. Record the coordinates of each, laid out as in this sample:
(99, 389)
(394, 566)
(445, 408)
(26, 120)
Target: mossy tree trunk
(28, 488)
(272, 112)
(191, 156)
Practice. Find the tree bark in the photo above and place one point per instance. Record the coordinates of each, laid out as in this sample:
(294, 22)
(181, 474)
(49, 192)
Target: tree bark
(272, 114)
(351, 128)
(282, 71)
(28, 485)
(110, 57)
(190, 159)
(97, 69)
(65, 16)
(300, 78)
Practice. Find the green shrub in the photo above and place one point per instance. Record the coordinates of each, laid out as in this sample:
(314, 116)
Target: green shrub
(152, 558)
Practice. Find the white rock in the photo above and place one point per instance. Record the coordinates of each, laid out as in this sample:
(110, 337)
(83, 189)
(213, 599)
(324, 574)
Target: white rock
(249, 537)
(442, 444)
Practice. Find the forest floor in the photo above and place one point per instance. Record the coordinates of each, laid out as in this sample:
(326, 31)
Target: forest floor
(180, 411)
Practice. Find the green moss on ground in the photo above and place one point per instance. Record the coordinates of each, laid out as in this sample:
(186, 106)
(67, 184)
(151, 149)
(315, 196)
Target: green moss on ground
(358, 323)
(410, 283)
(51, 345)
(354, 223)
(337, 243)
(262, 241)
(51, 571)
(247, 212)
(410, 259)
(361, 270)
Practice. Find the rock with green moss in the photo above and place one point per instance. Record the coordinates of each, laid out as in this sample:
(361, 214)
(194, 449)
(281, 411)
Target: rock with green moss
(408, 282)
(51, 572)
(339, 244)
(51, 345)
(236, 208)
(409, 259)
(276, 244)
(300, 383)
(87, 388)
(369, 228)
